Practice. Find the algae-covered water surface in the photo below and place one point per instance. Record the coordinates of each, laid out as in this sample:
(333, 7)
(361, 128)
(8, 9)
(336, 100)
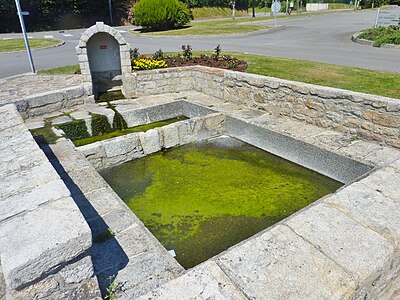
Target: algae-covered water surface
(200, 199)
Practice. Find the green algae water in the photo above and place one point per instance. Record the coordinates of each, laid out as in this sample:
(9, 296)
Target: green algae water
(200, 199)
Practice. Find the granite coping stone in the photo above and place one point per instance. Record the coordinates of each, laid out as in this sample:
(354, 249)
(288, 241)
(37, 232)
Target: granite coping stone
(342, 239)
(41, 247)
(41, 228)
(279, 264)
(206, 281)
(386, 181)
(370, 208)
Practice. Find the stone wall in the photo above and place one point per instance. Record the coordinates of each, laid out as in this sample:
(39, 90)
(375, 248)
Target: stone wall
(118, 150)
(47, 102)
(159, 81)
(367, 116)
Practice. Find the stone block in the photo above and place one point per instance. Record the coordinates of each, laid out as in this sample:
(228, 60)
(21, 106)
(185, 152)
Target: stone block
(44, 99)
(359, 250)
(136, 240)
(9, 117)
(278, 264)
(87, 180)
(92, 151)
(120, 219)
(87, 289)
(206, 281)
(74, 92)
(150, 141)
(103, 200)
(30, 200)
(147, 272)
(386, 181)
(45, 238)
(78, 271)
(113, 161)
(370, 208)
(25, 180)
(169, 135)
(121, 145)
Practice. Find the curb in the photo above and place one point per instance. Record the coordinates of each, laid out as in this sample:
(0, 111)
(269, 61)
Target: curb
(62, 42)
(357, 40)
(257, 32)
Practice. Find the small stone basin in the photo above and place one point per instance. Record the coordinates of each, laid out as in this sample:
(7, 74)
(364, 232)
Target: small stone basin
(202, 198)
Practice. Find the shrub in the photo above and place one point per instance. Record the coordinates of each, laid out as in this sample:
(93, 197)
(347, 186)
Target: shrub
(382, 35)
(161, 14)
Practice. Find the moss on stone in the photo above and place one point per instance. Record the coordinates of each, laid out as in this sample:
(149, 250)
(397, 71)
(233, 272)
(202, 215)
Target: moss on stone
(141, 128)
(100, 125)
(111, 96)
(74, 130)
(44, 135)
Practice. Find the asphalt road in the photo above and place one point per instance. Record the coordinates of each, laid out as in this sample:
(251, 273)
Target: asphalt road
(322, 38)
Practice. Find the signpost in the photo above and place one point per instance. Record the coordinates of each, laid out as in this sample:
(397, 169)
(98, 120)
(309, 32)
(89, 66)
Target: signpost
(21, 20)
(387, 17)
(233, 3)
(275, 8)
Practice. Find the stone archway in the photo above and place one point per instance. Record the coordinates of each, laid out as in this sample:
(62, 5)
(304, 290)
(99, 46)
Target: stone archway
(103, 56)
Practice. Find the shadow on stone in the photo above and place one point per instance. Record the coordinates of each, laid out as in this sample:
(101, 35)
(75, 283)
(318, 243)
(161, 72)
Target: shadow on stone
(107, 255)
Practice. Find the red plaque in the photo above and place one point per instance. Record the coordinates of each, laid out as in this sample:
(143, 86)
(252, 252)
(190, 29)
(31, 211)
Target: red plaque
(103, 47)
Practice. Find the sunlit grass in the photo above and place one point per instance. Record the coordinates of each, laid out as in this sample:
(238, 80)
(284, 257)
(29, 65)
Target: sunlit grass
(19, 44)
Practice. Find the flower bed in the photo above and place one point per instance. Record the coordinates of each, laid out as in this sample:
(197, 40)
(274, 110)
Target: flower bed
(159, 60)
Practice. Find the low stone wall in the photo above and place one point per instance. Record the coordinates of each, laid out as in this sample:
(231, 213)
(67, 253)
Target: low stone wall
(47, 102)
(159, 81)
(118, 150)
(368, 116)
(44, 239)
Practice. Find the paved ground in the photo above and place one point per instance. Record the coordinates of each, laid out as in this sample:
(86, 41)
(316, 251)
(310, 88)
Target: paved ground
(323, 38)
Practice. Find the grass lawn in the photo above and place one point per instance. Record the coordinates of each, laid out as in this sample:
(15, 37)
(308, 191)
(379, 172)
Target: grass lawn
(74, 69)
(19, 44)
(354, 79)
(200, 13)
(214, 27)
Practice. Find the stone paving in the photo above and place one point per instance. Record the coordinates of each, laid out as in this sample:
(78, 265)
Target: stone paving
(16, 88)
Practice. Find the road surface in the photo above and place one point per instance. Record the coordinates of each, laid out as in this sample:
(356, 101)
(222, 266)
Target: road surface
(322, 38)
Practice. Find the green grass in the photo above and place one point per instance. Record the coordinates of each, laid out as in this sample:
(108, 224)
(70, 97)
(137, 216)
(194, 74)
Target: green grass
(382, 35)
(354, 79)
(141, 128)
(18, 44)
(200, 13)
(339, 6)
(231, 26)
(348, 78)
(74, 69)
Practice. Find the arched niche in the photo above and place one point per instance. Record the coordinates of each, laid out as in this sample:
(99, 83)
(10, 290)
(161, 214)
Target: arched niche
(103, 56)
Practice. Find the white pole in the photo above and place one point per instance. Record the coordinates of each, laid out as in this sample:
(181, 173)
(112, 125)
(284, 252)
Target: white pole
(376, 19)
(275, 12)
(28, 49)
(287, 4)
